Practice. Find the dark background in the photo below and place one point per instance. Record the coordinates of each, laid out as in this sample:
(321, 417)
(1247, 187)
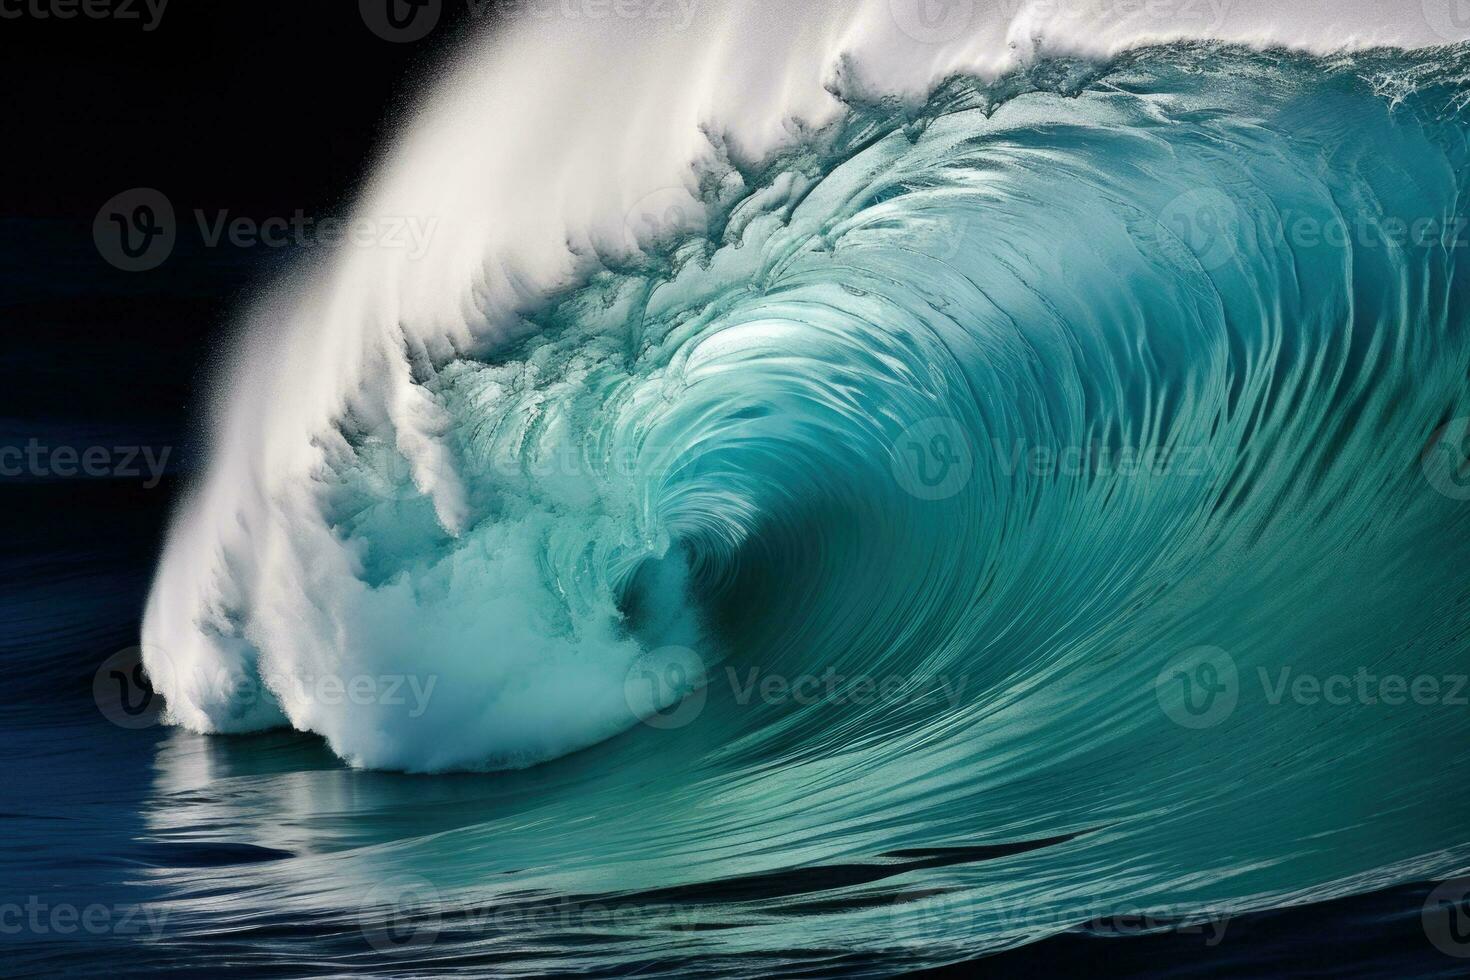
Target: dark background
(262, 108)
(260, 105)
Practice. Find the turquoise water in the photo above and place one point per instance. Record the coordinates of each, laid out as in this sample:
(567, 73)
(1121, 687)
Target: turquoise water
(962, 503)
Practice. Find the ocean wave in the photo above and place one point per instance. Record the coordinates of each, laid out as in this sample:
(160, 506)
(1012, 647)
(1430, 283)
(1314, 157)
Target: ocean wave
(981, 468)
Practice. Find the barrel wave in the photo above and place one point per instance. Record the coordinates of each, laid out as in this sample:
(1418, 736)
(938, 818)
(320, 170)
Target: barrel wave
(926, 517)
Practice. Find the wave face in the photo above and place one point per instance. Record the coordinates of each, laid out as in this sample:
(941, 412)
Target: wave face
(965, 470)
